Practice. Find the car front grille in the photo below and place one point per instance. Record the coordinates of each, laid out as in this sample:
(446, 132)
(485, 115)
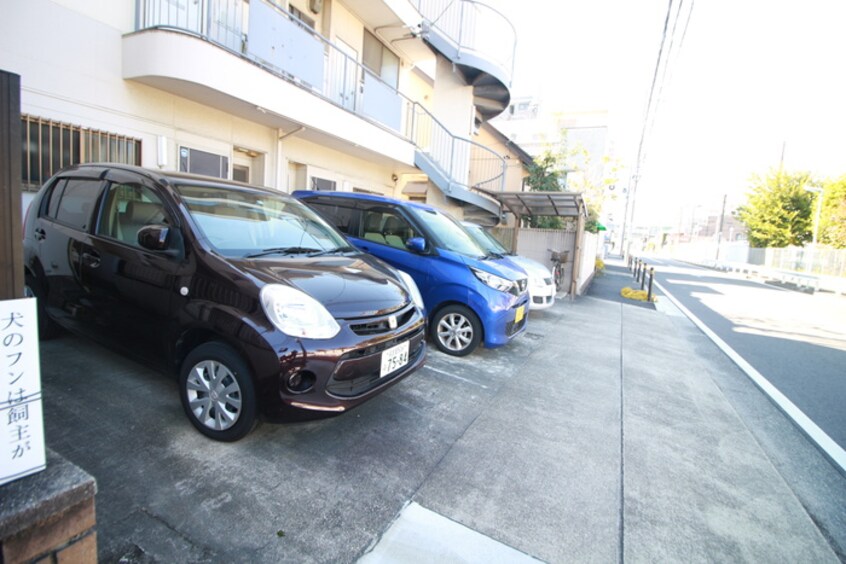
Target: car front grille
(382, 324)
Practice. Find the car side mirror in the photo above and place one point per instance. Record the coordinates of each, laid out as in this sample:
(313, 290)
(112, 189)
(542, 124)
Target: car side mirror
(154, 237)
(416, 244)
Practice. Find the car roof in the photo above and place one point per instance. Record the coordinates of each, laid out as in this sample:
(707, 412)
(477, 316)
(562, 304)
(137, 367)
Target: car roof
(306, 194)
(170, 177)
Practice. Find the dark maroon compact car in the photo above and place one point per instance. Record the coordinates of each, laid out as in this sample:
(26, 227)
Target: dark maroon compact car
(260, 306)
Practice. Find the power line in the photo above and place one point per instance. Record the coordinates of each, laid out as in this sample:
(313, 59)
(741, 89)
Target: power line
(669, 63)
(663, 62)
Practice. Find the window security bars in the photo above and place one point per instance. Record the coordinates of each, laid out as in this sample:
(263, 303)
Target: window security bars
(49, 146)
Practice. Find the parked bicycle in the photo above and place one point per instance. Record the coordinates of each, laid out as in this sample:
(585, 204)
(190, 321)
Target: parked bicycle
(559, 259)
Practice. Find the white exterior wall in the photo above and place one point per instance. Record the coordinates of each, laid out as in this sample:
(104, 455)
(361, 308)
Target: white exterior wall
(587, 266)
(349, 172)
(453, 100)
(72, 71)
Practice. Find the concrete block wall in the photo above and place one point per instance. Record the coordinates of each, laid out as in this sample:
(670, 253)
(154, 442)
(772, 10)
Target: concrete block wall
(49, 517)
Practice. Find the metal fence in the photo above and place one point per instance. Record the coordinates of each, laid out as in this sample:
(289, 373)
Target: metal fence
(820, 260)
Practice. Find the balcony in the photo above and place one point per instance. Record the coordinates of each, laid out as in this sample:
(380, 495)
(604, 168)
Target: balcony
(257, 61)
(480, 41)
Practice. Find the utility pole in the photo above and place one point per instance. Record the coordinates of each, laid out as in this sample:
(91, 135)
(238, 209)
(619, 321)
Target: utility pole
(819, 191)
(628, 217)
(720, 228)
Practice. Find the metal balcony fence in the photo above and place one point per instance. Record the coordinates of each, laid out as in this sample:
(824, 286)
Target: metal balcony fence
(473, 26)
(273, 38)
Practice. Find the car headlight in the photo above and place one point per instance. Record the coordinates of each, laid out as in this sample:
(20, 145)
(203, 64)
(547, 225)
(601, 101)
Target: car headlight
(297, 314)
(494, 281)
(538, 282)
(412, 288)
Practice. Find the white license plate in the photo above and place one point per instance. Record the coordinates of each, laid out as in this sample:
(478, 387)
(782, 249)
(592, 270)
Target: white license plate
(394, 358)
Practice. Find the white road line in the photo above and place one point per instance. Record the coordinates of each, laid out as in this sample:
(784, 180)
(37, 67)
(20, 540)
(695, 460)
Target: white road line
(450, 374)
(831, 449)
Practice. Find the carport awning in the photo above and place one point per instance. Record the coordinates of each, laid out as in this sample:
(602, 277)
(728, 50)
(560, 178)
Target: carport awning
(560, 204)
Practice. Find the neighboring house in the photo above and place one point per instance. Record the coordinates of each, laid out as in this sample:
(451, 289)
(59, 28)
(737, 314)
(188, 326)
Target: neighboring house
(517, 163)
(527, 123)
(353, 95)
(517, 160)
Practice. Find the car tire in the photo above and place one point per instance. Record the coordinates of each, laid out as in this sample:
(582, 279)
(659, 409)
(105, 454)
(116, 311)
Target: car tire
(456, 330)
(47, 328)
(217, 392)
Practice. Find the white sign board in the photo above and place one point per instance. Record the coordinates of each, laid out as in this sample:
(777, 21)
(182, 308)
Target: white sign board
(21, 422)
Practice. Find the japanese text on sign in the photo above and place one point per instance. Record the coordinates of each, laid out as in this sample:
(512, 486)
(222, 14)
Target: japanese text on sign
(21, 422)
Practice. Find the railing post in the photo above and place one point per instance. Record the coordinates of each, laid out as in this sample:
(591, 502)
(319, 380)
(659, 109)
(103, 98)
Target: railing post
(461, 28)
(451, 163)
(206, 18)
(651, 278)
(414, 124)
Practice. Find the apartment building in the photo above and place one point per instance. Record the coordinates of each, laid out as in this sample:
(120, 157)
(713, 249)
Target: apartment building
(379, 96)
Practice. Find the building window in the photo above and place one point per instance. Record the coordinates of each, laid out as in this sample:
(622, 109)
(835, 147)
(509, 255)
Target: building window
(241, 173)
(301, 16)
(379, 60)
(200, 162)
(49, 146)
(323, 184)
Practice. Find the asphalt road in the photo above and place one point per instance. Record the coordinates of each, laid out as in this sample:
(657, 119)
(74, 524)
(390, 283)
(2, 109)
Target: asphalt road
(797, 341)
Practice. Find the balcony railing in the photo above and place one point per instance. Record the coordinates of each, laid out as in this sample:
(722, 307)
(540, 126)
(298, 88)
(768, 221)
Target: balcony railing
(473, 26)
(274, 39)
(456, 157)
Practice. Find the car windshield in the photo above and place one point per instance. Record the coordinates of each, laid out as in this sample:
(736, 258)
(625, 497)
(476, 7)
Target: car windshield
(449, 233)
(245, 223)
(487, 241)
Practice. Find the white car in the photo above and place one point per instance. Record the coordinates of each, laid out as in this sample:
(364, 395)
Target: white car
(541, 285)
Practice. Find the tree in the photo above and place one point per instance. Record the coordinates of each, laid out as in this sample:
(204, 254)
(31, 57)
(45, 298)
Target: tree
(559, 168)
(548, 174)
(832, 229)
(779, 211)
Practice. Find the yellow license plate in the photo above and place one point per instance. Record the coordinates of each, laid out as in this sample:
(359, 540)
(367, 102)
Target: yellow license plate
(518, 314)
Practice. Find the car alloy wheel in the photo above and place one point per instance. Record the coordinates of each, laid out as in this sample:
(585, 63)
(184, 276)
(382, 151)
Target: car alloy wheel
(456, 330)
(217, 392)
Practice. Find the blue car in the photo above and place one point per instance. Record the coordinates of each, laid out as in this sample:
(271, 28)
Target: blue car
(471, 297)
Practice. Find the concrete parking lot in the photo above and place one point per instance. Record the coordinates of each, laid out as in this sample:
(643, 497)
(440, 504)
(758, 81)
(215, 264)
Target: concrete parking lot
(607, 432)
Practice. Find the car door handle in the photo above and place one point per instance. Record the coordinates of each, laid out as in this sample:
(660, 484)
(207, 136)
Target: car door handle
(40, 234)
(91, 259)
